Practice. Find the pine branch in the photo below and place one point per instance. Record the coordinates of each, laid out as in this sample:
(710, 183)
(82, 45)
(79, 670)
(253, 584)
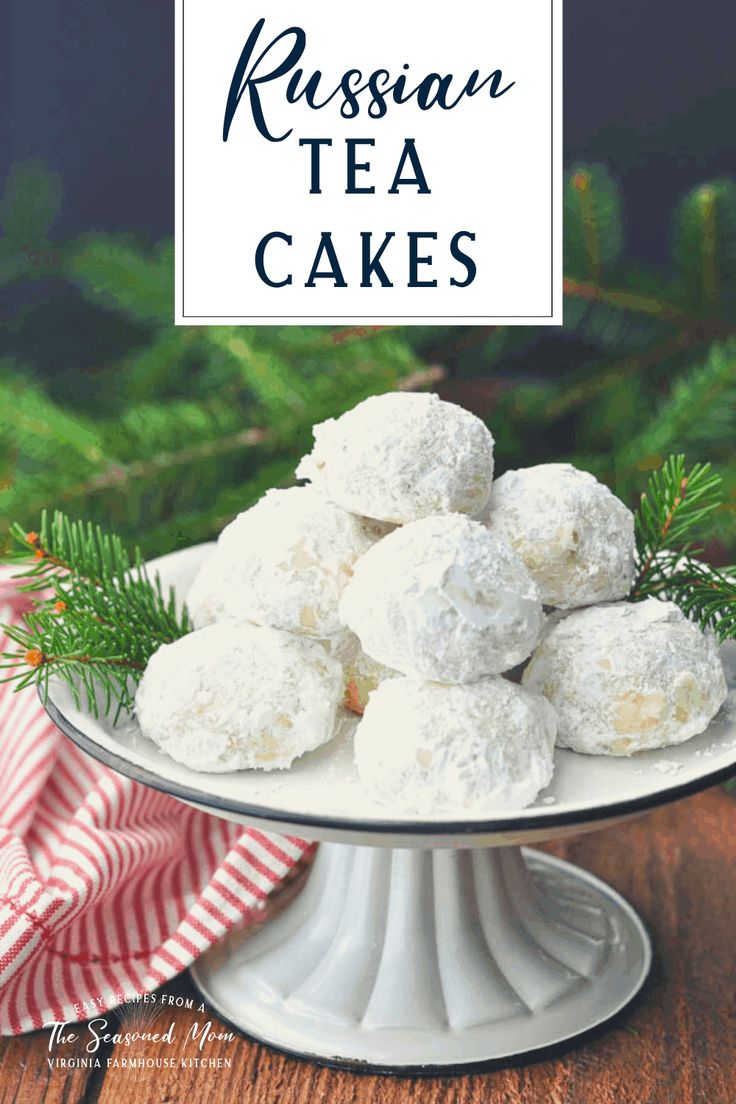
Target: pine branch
(707, 595)
(704, 593)
(79, 653)
(98, 619)
(205, 429)
(202, 523)
(120, 476)
(593, 382)
(636, 302)
(581, 182)
(30, 204)
(675, 503)
(699, 404)
(593, 221)
(113, 271)
(67, 548)
(705, 248)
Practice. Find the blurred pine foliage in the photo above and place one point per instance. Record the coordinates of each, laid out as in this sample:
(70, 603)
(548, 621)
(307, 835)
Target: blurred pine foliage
(111, 413)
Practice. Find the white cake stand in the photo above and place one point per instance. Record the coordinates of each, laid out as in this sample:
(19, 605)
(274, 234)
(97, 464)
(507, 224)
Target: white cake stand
(423, 946)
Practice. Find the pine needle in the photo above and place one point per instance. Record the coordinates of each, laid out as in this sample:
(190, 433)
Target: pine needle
(97, 619)
(676, 503)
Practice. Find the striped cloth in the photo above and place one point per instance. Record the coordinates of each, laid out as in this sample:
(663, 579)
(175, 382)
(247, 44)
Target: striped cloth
(107, 888)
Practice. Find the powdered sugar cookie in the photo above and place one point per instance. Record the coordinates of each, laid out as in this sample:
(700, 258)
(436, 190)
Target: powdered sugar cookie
(283, 563)
(474, 748)
(401, 456)
(231, 697)
(628, 677)
(575, 537)
(443, 599)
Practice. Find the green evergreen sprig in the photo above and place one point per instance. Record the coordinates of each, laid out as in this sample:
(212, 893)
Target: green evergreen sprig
(704, 593)
(676, 503)
(68, 548)
(97, 619)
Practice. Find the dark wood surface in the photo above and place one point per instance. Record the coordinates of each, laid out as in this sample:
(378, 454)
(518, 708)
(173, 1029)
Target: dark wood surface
(676, 1045)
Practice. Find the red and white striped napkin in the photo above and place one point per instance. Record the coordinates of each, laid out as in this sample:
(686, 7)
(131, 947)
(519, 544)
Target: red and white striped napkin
(107, 888)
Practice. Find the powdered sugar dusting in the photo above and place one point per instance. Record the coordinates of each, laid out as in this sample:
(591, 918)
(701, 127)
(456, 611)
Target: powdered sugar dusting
(479, 747)
(575, 537)
(402, 456)
(443, 599)
(628, 677)
(228, 697)
(283, 564)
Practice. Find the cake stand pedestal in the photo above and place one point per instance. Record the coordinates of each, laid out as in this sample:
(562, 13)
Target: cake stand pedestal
(411, 960)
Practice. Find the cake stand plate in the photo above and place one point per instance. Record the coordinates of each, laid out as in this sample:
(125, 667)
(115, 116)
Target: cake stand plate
(422, 945)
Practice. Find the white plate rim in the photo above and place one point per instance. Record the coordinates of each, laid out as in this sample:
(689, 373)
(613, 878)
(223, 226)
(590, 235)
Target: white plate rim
(517, 822)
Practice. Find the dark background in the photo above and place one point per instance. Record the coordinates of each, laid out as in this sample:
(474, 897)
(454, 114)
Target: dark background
(649, 89)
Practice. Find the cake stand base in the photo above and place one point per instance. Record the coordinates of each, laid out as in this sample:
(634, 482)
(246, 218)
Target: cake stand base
(411, 961)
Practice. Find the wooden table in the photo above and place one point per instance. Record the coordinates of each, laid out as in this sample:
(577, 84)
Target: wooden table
(677, 1044)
